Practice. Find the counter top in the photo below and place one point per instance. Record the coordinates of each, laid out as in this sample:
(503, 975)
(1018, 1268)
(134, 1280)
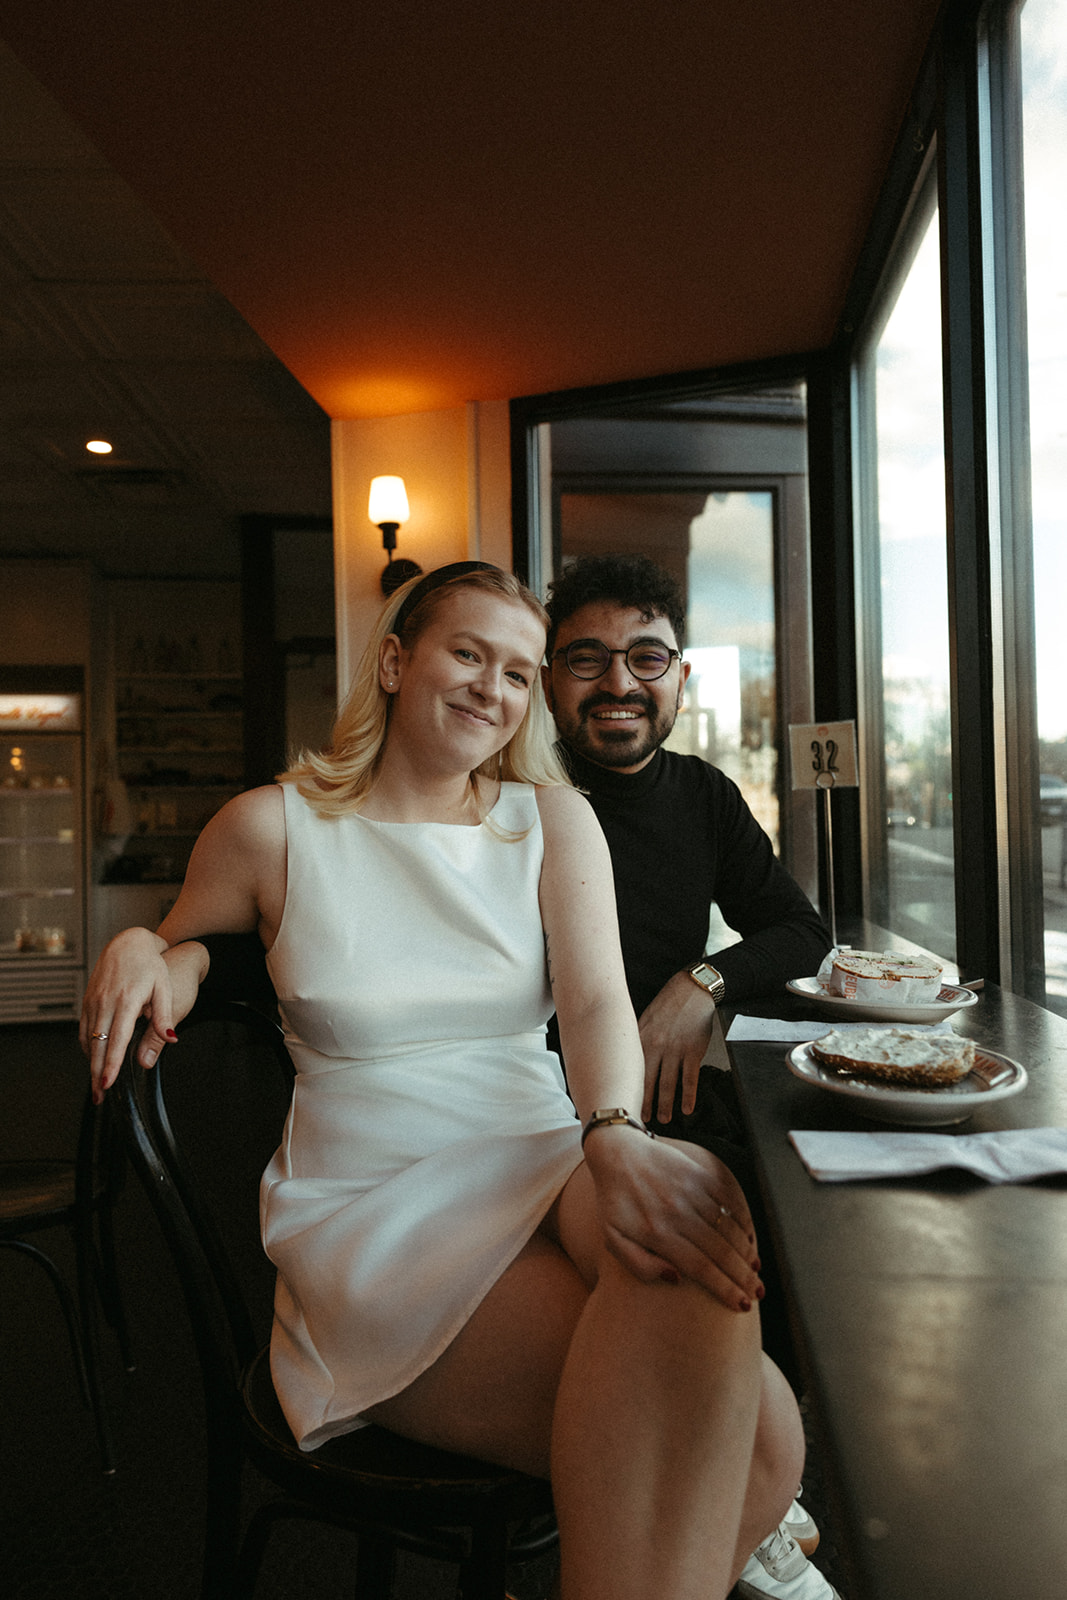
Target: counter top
(931, 1319)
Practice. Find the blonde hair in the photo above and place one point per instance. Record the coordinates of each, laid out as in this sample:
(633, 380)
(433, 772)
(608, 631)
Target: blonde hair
(338, 779)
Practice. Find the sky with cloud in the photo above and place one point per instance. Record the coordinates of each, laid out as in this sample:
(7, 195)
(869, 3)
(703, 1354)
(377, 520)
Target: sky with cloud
(909, 400)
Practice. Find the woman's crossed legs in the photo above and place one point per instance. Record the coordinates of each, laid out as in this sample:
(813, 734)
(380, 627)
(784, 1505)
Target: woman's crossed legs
(673, 1446)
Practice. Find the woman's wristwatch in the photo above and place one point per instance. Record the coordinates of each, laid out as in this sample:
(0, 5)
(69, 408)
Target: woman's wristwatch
(611, 1117)
(710, 979)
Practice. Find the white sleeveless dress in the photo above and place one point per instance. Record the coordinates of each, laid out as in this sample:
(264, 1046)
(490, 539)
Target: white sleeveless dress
(430, 1128)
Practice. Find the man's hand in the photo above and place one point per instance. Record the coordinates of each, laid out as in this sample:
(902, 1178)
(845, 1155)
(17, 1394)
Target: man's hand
(675, 1033)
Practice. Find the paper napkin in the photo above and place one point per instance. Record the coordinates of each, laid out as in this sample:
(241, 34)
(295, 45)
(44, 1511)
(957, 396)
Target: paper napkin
(1013, 1155)
(773, 1028)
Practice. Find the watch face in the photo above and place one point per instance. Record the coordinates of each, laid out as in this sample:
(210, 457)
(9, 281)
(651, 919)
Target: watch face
(708, 978)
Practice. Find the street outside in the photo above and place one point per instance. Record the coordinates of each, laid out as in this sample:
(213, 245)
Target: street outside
(922, 898)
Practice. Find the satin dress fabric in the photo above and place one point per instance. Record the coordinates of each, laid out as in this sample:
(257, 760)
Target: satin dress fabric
(430, 1128)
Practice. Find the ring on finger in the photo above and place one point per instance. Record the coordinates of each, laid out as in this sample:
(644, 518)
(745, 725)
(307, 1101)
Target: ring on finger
(98, 1036)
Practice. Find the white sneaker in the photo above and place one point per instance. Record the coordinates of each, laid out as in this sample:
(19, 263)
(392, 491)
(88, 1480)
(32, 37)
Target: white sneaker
(800, 1528)
(779, 1570)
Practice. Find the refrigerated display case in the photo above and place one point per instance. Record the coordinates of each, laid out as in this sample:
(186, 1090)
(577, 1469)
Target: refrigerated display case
(42, 843)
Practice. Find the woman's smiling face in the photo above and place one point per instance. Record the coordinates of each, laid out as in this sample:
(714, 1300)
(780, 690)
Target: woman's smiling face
(462, 689)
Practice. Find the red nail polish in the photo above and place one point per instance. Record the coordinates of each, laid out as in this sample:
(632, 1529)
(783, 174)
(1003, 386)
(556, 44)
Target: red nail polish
(171, 1034)
(760, 1292)
(669, 1275)
(746, 1305)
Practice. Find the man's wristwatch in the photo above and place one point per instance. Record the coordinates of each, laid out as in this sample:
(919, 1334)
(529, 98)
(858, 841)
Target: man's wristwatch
(709, 978)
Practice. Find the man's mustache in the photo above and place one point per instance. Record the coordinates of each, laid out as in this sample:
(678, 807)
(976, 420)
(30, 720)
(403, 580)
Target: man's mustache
(639, 702)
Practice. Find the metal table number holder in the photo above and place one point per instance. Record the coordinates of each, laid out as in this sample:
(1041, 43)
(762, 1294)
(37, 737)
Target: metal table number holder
(823, 756)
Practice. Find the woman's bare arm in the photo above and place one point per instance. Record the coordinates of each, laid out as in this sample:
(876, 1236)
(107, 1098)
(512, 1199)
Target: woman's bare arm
(661, 1210)
(235, 884)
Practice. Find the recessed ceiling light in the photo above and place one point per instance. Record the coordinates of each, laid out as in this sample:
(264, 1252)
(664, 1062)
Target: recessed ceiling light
(98, 447)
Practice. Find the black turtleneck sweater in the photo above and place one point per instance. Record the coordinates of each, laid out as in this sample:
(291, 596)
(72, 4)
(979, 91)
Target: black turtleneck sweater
(681, 836)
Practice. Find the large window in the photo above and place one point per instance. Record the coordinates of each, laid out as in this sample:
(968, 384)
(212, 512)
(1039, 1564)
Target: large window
(1043, 55)
(905, 738)
(939, 518)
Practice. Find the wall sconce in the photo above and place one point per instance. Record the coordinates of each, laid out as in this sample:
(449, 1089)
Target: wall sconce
(388, 508)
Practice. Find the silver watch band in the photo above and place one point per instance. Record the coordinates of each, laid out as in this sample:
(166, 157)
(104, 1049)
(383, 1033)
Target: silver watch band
(709, 978)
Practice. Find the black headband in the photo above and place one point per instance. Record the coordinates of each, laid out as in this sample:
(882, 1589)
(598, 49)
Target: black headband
(434, 580)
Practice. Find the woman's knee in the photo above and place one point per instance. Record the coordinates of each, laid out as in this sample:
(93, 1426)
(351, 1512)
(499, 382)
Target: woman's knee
(778, 1452)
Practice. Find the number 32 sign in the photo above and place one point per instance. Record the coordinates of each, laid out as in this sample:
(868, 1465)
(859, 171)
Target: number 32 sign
(823, 755)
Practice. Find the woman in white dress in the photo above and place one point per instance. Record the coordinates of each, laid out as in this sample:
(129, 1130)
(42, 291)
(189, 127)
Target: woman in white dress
(461, 1258)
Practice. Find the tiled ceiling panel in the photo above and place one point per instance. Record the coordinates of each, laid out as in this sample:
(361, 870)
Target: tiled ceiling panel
(108, 329)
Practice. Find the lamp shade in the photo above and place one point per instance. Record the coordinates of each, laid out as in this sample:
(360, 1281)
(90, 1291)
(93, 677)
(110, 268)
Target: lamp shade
(388, 501)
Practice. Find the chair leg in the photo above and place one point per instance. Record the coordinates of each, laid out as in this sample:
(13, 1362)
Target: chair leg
(83, 1247)
(223, 1517)
(108, 1284)
(253, 1549)
(66, 1302)
(375, 1567)
(483, 1574)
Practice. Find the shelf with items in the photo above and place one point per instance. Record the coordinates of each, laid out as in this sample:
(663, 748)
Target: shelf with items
(165, 655)
(178, 727)
(41, 869)
(27, 925)
(160, 694)
(167, 818)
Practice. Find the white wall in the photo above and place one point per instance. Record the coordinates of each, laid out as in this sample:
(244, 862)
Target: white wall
(457, 470)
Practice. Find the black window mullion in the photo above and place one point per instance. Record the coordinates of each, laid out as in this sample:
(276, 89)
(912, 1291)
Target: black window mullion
(969, 578)
(834, 685)
(1007, 344)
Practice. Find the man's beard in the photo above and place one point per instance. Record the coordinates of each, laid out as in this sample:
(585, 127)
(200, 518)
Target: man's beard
(611, 744)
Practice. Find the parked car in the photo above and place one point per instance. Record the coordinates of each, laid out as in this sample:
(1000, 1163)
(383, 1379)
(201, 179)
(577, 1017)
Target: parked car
(1053, 800)
(900, 819)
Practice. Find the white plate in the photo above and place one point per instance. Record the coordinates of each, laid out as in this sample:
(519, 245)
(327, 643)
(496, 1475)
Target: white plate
(949, 999)
(994, 1077)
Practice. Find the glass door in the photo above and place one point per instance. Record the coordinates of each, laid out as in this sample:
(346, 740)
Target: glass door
(715, 491)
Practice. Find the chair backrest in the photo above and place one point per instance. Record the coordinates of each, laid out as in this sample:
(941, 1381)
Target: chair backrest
(202, 1126)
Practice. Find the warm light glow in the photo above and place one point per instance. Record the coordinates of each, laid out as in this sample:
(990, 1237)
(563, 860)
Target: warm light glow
(34, 713)
(388, 501)
(98, 447)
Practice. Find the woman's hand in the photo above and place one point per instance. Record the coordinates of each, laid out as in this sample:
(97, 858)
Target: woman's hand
(136, 976)
(671, 1210)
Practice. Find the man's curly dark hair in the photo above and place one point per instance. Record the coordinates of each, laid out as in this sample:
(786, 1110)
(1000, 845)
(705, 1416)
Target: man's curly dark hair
(622, 580)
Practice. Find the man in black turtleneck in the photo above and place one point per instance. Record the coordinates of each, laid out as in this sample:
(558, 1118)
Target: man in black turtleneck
(679, 832)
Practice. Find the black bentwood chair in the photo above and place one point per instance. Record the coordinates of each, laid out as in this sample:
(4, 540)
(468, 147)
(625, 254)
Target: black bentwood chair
(79, 1195)
(202, 1126)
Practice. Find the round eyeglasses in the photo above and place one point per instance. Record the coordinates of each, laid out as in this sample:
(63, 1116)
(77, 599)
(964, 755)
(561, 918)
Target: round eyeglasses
(588, 658)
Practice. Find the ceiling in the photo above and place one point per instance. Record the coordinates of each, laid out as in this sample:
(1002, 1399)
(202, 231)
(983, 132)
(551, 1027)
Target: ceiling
(413, 205)
(107, 328)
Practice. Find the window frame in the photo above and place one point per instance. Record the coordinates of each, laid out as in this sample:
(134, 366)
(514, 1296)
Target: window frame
(535, 545)
(963, 121)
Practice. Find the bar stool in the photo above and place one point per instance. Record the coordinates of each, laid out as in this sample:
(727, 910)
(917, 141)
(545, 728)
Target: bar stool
(79, 1195)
